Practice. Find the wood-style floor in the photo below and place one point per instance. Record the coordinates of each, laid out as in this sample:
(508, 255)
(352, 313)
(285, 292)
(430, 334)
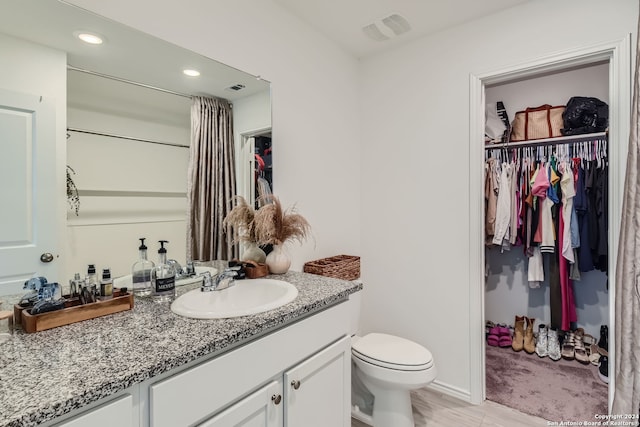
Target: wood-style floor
(434, 409)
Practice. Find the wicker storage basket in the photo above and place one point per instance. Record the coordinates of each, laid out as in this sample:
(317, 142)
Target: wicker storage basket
(346, 267)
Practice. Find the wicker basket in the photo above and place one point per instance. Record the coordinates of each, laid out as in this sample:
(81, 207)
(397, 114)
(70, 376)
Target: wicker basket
(346, 267)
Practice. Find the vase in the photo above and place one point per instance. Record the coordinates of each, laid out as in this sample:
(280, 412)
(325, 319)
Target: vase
(278, 260)
(253, 252)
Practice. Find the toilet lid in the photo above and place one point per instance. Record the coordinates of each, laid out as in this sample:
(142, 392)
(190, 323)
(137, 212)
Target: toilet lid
(392, 352)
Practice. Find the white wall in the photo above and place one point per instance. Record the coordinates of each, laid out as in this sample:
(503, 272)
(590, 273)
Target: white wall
(314, 101)
(415, 202)
(33, 69)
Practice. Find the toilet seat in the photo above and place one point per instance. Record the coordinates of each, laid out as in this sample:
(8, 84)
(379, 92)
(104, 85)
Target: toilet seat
(392, 352)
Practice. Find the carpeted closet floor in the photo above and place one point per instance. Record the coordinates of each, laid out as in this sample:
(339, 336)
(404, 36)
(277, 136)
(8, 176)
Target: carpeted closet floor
(556, 391)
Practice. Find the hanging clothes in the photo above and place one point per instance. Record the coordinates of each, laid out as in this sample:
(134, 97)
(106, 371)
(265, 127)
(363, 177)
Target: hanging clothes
(553, 202)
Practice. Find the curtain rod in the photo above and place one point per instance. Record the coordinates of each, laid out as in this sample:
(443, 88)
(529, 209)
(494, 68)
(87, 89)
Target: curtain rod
(131, 82)
(131, 138)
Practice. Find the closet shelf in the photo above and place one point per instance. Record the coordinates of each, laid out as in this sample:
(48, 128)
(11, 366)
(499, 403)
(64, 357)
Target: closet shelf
(558, 140)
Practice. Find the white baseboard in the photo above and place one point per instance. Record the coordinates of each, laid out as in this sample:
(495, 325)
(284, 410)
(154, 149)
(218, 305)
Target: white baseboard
(450, 390)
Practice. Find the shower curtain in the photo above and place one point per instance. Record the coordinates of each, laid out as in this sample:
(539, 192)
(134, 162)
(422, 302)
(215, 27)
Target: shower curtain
(211, 180)
(627, 364)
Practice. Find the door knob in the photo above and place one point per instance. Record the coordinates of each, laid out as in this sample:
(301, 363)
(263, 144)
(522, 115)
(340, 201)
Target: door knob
(276, 398)
(46, 257)
(295, 384)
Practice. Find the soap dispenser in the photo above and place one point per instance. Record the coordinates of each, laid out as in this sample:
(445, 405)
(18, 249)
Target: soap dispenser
(106, 285)
(163, 277)
(141, 272)
(91, 280)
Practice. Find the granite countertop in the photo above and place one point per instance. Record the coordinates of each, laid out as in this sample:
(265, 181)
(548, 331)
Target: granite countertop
(50, 373)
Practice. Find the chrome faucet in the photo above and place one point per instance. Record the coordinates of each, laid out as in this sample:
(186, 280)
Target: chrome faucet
(182, 273)
(222, 281)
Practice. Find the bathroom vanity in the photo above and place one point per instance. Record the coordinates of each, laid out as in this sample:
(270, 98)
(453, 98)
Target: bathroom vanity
(150, 367)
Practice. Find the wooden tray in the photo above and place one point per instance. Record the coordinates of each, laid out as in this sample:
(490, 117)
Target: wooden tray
(74, 312)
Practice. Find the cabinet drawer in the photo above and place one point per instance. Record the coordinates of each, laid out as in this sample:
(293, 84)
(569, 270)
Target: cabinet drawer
(116, 413)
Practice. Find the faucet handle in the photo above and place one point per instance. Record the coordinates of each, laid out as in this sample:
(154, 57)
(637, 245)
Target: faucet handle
(190, 268)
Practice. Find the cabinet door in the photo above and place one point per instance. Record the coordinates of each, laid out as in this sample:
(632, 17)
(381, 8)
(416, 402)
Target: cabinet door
(116, 413)
(318, 391)
(262, 408)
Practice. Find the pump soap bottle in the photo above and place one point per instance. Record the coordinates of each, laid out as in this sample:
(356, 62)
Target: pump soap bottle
(106, 285)
(163, 277)
(141, 272)
(91, 280)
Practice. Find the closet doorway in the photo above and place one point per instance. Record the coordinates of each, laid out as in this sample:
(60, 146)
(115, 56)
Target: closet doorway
(599, 71)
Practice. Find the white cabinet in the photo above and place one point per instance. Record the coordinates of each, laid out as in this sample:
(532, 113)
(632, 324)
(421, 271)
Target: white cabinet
(262, 408)
(318, 349)
(317, 391)
(316, 394)
(114, 413)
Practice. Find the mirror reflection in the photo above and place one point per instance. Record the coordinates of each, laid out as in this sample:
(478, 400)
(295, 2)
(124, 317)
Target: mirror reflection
(129, 128)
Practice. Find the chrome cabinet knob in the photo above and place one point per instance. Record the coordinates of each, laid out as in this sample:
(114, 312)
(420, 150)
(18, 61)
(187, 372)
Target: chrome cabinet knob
(276, 398)
(46, 257)
(295, 384)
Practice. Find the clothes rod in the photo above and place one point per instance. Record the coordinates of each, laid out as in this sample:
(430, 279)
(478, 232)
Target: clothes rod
(130, 138)
(131, 82)
(587, 137)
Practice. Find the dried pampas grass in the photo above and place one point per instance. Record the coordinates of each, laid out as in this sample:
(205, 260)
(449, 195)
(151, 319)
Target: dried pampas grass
(272, 225)
(240, 219)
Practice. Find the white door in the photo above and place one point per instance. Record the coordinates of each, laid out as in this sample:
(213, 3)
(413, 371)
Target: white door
(318, 391)
(28, 199)
(262, 408)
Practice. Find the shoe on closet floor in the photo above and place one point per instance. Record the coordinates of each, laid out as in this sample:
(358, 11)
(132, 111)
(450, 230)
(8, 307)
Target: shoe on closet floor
(542, 347)
(517, 343)
(603, 369)
(553, 344)
(580, 352)
(504, 336)
(529, 344)
(568, 345)
(594, 354)
(604, 338)
(493, 339)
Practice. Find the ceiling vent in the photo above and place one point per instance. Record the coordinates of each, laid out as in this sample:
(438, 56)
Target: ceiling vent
(236, 87)
(387, 28)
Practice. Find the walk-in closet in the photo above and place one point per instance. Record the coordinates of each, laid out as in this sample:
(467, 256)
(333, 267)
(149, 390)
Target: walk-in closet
(554, 282)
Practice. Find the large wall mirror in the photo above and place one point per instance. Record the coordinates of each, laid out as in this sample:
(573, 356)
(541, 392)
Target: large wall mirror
(128, 122)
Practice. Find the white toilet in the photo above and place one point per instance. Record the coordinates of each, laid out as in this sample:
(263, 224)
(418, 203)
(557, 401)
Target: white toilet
(385, 368)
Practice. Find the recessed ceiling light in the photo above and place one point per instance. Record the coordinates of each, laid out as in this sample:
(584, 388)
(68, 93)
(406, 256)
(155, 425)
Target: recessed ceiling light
(90, 38)
(191, 73)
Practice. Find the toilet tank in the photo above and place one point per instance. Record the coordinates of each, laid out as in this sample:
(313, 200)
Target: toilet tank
(355, 299)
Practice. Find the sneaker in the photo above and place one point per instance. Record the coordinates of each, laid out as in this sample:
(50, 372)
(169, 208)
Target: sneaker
(603, 369)
(541, 343)
(553, 345)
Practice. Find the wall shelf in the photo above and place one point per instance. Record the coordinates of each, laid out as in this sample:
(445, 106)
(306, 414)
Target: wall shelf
(129, 193)
(546, 141)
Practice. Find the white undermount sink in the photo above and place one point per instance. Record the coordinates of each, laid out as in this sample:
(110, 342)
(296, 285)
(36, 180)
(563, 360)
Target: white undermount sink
(245, 297)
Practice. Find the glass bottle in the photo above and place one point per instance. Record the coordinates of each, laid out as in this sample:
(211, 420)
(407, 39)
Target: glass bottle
(106, 285)
(163, 277)
(141, 272)
(91, 280)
